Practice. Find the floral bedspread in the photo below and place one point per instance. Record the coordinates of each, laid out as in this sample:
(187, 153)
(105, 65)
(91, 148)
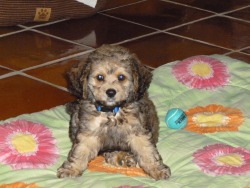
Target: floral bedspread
(213, 150)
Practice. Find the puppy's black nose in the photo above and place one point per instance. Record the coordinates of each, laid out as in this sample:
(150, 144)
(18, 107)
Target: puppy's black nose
(111, 93)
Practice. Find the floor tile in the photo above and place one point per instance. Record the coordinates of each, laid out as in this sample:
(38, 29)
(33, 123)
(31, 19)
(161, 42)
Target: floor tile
(159, 49)
(158, 14)
(242, 14)
(40, 24)
(225, 32)
(3, 71)
(117, 3)
(54, 73)
(23, 95)
(240, 56)
(247, 50)
(28, 48)
(6, 30)
(215, 5)
(96, 30)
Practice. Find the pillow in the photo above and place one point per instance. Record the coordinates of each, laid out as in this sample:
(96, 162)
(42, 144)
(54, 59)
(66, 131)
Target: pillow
(14, 12)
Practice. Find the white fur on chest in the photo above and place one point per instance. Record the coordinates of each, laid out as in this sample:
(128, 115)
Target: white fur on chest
(110, 120)
(103, 121)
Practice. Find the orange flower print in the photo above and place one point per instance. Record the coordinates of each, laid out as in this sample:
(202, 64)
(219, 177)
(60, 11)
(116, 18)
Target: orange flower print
(19, 185)
(213, 118)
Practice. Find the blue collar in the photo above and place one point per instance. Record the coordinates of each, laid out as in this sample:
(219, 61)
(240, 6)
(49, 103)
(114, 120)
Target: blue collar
(115, 110)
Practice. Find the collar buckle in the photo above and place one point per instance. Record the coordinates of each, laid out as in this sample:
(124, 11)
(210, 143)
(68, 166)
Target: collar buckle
(115, 110)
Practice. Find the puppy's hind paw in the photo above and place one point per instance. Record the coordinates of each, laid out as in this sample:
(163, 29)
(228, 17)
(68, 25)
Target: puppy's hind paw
(127, 160)
(120, 158)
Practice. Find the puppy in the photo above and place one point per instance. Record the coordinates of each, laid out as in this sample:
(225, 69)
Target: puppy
(113, 114)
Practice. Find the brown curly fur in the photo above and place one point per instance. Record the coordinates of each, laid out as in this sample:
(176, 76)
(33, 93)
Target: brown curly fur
(125, 138)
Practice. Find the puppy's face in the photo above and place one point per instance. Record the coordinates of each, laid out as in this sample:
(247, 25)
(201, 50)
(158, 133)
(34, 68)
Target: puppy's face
(111, 76)
(110, 83)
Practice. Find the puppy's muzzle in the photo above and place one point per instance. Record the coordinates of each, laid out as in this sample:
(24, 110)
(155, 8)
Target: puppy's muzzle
(111, 93)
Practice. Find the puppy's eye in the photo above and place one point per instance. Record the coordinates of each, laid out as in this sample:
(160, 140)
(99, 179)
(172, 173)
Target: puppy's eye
(121, 77)
(100, 77)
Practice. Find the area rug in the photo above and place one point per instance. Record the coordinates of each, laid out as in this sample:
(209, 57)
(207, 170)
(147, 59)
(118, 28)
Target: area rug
(213, 150)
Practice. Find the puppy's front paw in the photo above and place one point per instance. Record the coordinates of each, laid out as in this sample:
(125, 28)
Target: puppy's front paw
(161, 173)
(67, 170)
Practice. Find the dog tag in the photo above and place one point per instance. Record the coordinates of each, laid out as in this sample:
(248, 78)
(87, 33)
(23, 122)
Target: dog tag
(42, 14)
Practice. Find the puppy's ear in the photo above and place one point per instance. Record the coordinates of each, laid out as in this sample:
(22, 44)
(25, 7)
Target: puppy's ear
(77, 78)
(142, 77)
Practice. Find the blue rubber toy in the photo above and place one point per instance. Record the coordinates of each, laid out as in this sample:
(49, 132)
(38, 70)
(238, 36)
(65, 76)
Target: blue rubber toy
(176, 118)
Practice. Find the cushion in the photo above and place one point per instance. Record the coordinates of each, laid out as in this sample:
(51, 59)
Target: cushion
(22, 11)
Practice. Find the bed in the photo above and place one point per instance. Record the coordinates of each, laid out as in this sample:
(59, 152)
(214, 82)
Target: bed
(29, 11)
(213, 150)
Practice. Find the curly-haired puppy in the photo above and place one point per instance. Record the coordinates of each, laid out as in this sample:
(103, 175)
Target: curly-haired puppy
(113, 114)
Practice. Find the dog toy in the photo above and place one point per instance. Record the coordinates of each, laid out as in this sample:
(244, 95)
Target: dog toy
(176, 118)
